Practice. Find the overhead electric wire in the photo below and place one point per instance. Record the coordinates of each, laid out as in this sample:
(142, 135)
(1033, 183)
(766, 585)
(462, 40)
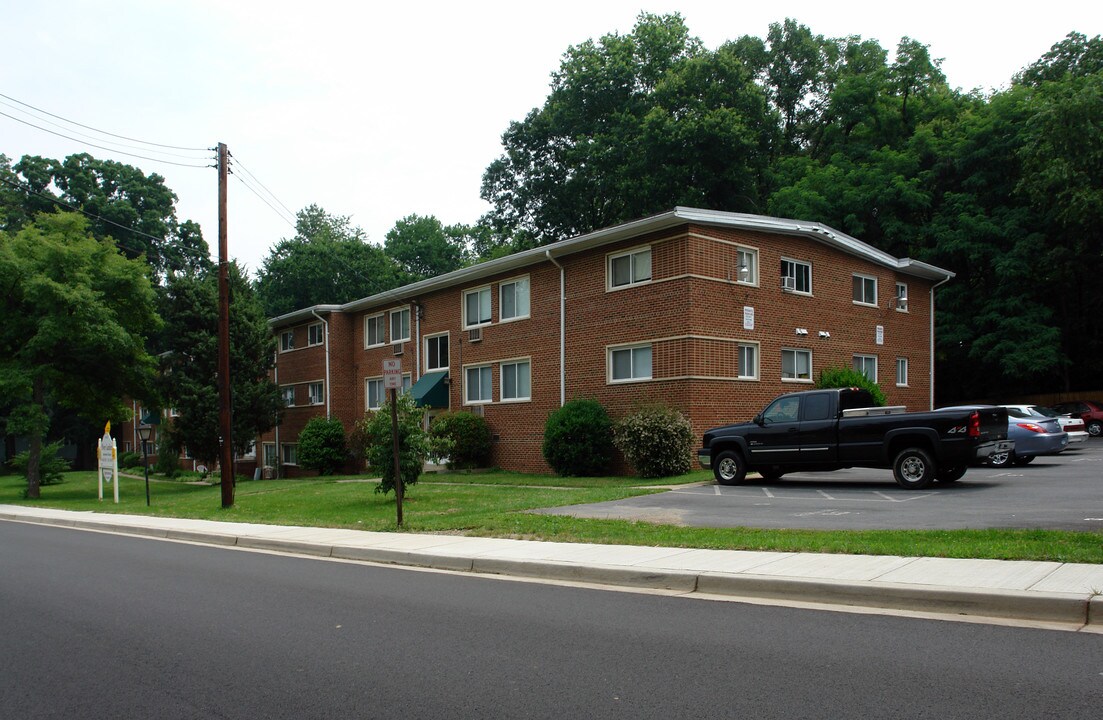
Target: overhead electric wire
(101, 147)
(102, 132)
(258, 182)
(264, 200)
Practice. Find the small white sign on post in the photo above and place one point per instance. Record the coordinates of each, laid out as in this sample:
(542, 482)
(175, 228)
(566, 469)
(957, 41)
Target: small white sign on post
(109, 462)
(392, 374)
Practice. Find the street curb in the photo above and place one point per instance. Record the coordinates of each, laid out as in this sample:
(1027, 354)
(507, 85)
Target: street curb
(1085, 610)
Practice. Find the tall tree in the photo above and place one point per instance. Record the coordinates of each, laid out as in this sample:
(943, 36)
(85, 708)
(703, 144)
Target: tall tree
(424, 248)
(76, 317)
(329, 261)
(189, 377)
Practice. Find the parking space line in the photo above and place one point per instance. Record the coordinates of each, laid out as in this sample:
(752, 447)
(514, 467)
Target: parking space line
(768, 493)
(716, 489)
(821, 492)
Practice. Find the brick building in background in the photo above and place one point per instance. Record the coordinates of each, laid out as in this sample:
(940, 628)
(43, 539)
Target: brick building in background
(714, 313)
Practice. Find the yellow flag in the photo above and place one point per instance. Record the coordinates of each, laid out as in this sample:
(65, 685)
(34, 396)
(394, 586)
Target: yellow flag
(107, 428)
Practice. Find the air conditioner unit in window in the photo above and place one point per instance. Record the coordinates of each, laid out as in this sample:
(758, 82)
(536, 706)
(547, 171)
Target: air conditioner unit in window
(475, 335)
(397, 347)
(788, 283)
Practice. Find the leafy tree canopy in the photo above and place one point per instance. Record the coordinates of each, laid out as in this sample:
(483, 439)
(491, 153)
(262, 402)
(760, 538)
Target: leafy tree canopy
(425, 248)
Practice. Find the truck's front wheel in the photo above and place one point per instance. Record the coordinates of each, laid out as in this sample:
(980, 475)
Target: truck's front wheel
(730, 468)
(914, 469)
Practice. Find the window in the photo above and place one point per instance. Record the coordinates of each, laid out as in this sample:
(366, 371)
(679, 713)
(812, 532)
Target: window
(514, 298)
(315, 334)
(517, 380)
(290, 454)
(867, 365)
(816, 407)
(477, 386)
(901, 297)
(746, 266)
(316, 392)
(269, 454)
(436, 352)
(630, 268)
(287, 340)
(800, 274)
(375, 394)
(288, 395)
(374, 331)
(783, 410)
(865, 290)
(796, 365)
(901, 372)
(476, 307)
(631, 363)
(400, 325)
(748, 361)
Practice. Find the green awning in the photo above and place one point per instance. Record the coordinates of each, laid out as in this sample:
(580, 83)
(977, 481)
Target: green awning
(431, 390)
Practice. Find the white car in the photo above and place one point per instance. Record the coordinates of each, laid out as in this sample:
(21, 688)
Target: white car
(1073, 426)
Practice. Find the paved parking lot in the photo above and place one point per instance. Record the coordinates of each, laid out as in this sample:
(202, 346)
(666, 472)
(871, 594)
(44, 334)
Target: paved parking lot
(1062, 492)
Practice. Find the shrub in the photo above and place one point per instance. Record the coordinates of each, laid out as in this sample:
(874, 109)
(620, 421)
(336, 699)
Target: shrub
(168, 454)
(130, 460)
(51, 465)
(578, 439)
(843, 377)
(657, 440)
(373, 435)
(467, 437)
(322, 445)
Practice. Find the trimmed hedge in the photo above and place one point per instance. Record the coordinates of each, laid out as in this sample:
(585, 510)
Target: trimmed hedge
(467, 437)
(578, 439)
(658, 441)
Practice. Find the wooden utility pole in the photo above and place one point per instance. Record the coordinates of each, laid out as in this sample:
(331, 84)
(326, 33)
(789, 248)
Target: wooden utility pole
(226, 459)
(397, 465)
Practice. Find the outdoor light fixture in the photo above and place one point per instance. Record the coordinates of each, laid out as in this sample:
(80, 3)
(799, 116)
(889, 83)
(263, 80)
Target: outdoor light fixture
(744, 273)
(802, 331)
(145, 432)
(824, 334)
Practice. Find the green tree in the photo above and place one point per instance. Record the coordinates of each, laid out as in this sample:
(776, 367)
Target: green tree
(374, 437)
(424, 248)
(189, 370)
(76, 318)
(322, 445)
(578, 438)
(329, 261)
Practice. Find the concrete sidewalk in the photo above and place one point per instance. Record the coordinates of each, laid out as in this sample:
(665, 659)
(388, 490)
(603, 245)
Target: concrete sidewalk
(1065, 594)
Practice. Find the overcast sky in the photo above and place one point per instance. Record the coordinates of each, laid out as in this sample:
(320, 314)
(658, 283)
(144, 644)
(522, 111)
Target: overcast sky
(378, 111)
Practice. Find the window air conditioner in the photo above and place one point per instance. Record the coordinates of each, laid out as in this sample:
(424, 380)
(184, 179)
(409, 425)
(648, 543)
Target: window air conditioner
(475, 335)
(397, 347)
(788, 282)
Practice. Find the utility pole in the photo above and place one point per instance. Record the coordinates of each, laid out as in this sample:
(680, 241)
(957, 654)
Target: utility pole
(227, 457)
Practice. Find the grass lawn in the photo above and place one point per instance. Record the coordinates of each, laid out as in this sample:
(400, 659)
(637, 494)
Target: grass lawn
(493, 504)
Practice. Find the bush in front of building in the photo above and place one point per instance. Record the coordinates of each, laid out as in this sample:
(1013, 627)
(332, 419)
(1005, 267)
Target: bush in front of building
(466, 436)
(844, 377)
(657, 440)
(168, 454)
(130, 460)
(373, 436)
(322, 445)
(578, 439)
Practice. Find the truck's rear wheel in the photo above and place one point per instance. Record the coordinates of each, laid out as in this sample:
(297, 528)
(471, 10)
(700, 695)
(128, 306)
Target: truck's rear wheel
(914, 469)
(730, 468)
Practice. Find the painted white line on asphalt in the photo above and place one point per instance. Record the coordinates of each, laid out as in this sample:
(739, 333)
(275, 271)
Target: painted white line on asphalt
(821, 492)
(716, 489)
(768, 493)
(887, 497)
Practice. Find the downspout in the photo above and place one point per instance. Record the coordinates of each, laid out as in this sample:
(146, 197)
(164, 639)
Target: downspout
(329, 390)
(279, 451)
(562, 328)
(415, 374)
(931, 378)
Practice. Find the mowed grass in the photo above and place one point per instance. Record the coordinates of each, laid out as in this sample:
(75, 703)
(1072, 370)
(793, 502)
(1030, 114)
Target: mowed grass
(494, 504)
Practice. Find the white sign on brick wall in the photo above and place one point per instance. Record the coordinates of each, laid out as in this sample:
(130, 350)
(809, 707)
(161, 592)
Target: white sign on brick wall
(748, 317)
(880, 335)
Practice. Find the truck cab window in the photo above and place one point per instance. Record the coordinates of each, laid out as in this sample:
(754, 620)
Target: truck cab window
(784, 409)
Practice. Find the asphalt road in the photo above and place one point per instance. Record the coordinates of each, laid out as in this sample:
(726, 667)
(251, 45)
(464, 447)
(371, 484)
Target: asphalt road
(105, 626)
(1062, 492)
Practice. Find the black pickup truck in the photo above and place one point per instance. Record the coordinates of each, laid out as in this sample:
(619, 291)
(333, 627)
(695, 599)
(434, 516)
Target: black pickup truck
(839, 428)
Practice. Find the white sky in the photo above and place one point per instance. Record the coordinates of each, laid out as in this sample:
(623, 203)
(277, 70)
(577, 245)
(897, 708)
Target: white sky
(380, 110)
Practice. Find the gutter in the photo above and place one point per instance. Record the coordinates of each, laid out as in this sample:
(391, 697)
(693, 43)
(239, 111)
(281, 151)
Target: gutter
(329, 390)
(562, 328)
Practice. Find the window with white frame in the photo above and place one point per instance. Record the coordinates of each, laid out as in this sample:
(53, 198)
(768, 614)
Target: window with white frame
(269, 454)
(901, 372)
(796, 364)
(630, 268)
(290, 453)
(436, 352)
(867, 365)
(865, 289)
(315, 334)
(476, 307)
(748, 361)
(478, 385)
(287, 340)
(514, 299)
(400, 325)
(901, 297)
(796, 276)
(375, 330)
(316, 393)
(516, 380)
(288, 394)
(375, 394)
(630, 363)
(746, 266)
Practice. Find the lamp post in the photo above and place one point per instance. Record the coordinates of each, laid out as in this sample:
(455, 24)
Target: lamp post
(145, 432)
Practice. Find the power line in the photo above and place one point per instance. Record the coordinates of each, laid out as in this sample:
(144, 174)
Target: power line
(102, 147)
(264, 200)
(102, 132)
(257, 180)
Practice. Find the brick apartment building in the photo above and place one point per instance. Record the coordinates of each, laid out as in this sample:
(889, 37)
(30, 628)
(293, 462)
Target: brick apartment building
(714, 313)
